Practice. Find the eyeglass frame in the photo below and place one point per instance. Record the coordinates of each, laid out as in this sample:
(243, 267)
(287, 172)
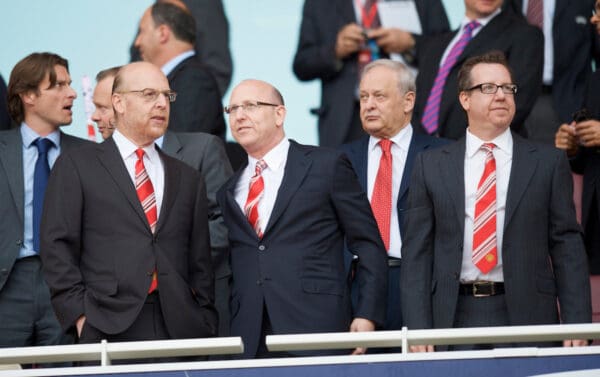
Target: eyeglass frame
(170, 95)
(254, 104)
(513, 88)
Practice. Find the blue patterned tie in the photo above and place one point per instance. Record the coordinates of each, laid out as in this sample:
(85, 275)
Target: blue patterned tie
(40, 179)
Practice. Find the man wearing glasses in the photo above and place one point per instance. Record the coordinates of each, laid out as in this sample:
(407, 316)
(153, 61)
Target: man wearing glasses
(125, 239)
(289, 212)
(491, 235)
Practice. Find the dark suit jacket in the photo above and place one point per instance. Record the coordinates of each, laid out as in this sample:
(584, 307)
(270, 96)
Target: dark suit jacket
(5, 120)
(198, 105)
(297, 269)
(212, 40)
(315, 59)
(573, 37)
(206, 154)
(12, 195)
(521, 43)
(98, 251)
(542, 251)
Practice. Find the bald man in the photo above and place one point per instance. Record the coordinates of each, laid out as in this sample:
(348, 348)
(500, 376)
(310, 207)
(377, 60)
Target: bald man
(118, 269)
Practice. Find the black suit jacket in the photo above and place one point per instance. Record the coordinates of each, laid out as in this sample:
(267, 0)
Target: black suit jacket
(573, 38)
(315, 59)
(521, 43)
(12, 195)
(297, 269)
(98, 251)
(198, 105)
(5, 120)
(542, 251)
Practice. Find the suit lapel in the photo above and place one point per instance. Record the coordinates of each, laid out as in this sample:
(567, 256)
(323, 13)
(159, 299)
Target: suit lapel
(110, 158)
(359, 156)
(232, 204)
(172, 179)
(453, 178)
(417, 144)
(524, 163)
(11, 158)
(296, 168)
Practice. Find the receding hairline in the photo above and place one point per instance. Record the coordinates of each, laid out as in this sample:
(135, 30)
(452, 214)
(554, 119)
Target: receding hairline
(275, 94)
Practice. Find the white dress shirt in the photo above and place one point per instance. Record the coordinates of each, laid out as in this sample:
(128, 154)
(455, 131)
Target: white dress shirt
(171, 64)
(548, 12)
(272, 177)
(399, 150)
(474, 165)
(152, 163)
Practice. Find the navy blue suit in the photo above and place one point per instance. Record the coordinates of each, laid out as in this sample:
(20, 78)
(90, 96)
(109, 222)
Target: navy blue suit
(357, 152)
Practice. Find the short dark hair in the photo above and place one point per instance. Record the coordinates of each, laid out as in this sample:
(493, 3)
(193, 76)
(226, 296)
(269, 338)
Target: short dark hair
(105, 73)
(27, 75)
(491, 57)
(178, 19)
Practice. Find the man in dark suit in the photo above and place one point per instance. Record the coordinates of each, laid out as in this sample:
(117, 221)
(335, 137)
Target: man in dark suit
(166, 39)
(331, 37)
(581, 140)
(289, 212)
(485, 27)
(387, 97)
(569, 49)
(491, 237)
(40, 98)
(201, 151)
(125, 241)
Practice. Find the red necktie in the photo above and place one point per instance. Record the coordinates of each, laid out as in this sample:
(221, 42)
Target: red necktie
(255, 193)
(381, 200)
(145, 192)
(485, 251)
(535, 13)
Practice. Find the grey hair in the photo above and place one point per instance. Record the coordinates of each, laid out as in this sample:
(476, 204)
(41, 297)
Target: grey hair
(404, 77)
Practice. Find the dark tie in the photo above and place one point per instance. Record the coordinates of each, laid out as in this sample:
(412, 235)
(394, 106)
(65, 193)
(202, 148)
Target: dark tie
(431, 113)
(535, 13)
(40, 180)
(381, 199)
(485, 251)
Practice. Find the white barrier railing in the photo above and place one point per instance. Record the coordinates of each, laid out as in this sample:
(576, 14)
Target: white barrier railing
(106, 351)
(404, 338)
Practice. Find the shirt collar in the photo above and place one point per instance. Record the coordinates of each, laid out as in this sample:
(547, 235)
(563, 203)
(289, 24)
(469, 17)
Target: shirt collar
(171, 64)
(503, 143)
(127, 148)
(482, 21)
(401, 139)
(28, 136)
(275, 157)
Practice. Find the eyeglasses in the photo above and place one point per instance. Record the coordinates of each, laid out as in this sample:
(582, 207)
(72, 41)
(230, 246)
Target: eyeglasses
(248, 107)
(151, 95)
(489, 88)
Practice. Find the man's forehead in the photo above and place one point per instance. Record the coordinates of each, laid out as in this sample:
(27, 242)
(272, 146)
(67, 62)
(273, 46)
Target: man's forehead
(483, 70)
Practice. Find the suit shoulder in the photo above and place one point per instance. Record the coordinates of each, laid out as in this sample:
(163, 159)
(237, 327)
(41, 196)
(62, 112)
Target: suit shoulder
(319, 153)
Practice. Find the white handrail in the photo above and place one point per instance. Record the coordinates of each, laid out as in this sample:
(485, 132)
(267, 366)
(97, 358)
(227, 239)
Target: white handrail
(405, 337)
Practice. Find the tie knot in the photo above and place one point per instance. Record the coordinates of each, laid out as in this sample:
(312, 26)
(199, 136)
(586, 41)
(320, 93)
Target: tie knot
(43, 145)
(471, 26)
(386, 145)
(140, 153)
(260, 166)
(488, 147)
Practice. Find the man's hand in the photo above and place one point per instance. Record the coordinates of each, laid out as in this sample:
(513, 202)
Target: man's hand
(392, 40)
(588, 133)
(79, 325)
(422, 348)
(566, 138)
(575, 343)
(350, 39)
(358, 325)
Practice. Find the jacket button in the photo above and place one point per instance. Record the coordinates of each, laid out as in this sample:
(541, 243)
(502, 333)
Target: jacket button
(19, 242)
(258, 282)
(261, 247)
(149, 273)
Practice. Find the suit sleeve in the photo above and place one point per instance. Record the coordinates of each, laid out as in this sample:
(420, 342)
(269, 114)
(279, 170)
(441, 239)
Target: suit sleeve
(526, 58)
(60, 237)
(433, 17)
(567, 250)
(417, 252)
(315, 55)
(362, 238)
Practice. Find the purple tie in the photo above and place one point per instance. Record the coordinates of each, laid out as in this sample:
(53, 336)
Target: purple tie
(432, 108)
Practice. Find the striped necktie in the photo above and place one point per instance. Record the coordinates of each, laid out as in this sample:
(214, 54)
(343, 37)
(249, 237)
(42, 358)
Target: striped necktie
(485, 250)
(255, 193)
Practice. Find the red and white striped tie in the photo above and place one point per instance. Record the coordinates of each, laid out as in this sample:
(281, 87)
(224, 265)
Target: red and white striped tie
(145, 192)
(485, 250)
(255, 193)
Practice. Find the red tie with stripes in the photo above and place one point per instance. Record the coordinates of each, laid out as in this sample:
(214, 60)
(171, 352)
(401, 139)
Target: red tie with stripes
(145, 192)
(485, 250)
(255, 193)
(381, 199)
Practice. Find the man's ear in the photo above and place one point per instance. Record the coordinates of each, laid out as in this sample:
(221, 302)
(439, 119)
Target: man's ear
(465, 100)
(28, 98)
